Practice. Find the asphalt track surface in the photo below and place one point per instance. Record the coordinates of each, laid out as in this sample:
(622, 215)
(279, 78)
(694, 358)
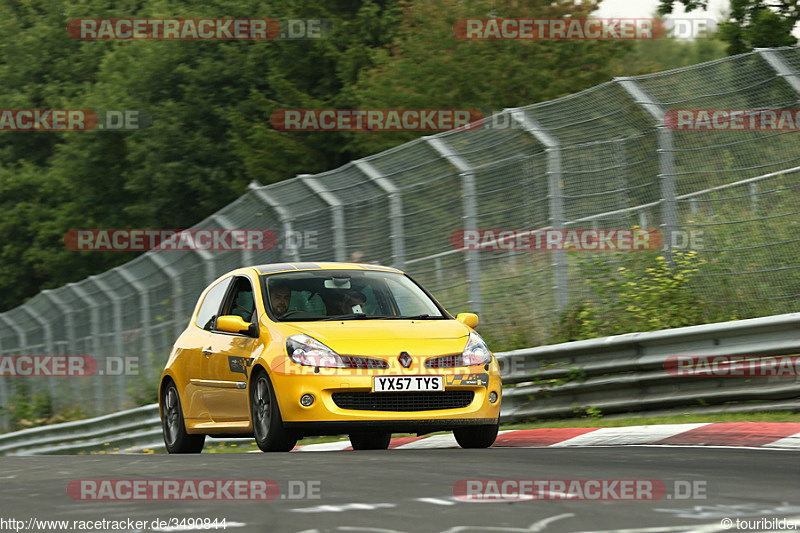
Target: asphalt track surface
(413, 490)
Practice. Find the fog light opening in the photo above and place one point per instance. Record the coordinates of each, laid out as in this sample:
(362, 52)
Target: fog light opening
(493, 397)
(306, 400)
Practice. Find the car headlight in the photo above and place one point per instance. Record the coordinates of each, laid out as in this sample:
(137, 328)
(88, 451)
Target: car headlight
(476, 352)
(308, 351)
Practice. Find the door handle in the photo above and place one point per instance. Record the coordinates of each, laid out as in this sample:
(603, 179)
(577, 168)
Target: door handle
(207, 352)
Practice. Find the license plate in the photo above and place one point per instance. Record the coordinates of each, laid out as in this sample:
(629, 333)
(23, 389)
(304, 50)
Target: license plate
(407, 383)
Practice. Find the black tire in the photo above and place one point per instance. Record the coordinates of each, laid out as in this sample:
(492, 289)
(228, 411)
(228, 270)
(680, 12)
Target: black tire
(173, 425)
(476, 436)
(268, 428)
(370, 441)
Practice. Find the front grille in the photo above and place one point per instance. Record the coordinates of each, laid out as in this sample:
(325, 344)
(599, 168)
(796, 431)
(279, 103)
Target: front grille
(447, 361)
(403, 401)
(351, 361)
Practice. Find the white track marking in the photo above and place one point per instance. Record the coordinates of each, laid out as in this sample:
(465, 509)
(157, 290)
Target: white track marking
(434, 441)
(436, 501)
(792, 441)
(627, 435)
(344, 507)
(325, 446)
(539, 525)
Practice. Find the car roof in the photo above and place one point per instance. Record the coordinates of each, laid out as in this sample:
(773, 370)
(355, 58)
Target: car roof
(289, 267)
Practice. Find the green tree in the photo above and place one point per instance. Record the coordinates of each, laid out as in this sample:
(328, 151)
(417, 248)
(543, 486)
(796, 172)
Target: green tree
(428, 67)
(752, 23)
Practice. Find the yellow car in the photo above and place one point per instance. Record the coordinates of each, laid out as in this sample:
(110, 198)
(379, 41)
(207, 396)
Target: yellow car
(282, 351)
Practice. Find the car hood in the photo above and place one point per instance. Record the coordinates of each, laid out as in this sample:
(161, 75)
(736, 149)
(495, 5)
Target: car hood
(387, 337)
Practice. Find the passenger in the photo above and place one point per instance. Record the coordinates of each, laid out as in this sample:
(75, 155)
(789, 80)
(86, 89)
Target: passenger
(279, 296)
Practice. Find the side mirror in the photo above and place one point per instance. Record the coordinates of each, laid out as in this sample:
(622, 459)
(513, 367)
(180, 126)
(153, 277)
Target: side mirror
(468, 319)
(235, 324)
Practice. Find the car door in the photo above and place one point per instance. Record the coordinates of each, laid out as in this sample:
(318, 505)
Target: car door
(194, 342)
(228, 358)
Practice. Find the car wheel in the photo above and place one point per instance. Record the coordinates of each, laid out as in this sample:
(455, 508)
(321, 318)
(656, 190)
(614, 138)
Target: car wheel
(476, 436)
(172, 424)
(268, 428)
(370, 441)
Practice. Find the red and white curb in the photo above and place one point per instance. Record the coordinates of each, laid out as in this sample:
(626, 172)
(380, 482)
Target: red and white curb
(744, 434)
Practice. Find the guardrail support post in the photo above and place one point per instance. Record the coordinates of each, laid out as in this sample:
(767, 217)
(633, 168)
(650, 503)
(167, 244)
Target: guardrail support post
(147, 326)
(226, 223)
(784, 70)
(555, 191)
(666, 159)
(69, 330)
(179, 319)
(470, 218)
(94, 330)
(119, 346)
(49, 348)
(337, 214)
(289, 248)
(22, 341)
(395, 210)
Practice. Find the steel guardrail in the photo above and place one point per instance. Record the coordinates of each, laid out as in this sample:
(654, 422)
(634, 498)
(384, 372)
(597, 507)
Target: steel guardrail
(610, 375)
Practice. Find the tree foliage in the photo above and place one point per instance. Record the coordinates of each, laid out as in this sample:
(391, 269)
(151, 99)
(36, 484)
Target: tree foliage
(211, 104)
(752, 23)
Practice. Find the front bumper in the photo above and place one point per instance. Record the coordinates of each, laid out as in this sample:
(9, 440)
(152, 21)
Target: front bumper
(325, 413)
(393, 426)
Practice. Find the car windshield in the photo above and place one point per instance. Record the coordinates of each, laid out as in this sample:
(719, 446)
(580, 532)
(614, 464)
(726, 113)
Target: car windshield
(346, 295)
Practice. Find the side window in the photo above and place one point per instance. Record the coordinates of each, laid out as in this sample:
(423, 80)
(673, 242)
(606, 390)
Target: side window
(410, 303)
(207, 315)
(241, 301)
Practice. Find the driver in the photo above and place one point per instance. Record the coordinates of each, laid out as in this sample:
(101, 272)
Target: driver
(279, 296)
(353, 302)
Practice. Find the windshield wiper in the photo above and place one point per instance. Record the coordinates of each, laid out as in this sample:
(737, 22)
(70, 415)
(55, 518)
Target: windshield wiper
(356, 315)
(418, 317)
(344, 317)
(290, 313)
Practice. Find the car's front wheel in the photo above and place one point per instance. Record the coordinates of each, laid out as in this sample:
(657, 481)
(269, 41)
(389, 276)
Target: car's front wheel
(268, 428)
(370, 441)
(172, 424)
(476, 436)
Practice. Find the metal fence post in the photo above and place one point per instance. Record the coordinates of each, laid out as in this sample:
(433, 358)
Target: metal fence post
(94, 328)
(5, 393)
(337, 214)
(23, 338)
(395, 210)
(666, 159)
(555, 192)
(470, 217)
(780, 66)
(147, 326)
(226, 223)
(69, 330)
(178, 322)
(290, 250)
(4, 402)
(119, 342)
(48, 346)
